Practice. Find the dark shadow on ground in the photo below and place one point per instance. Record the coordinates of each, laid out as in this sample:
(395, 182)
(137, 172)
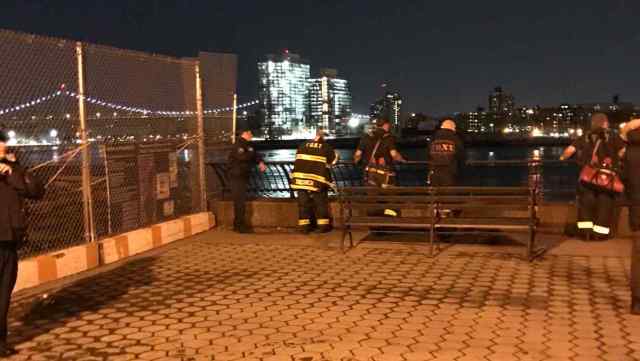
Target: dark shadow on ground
(33, 317)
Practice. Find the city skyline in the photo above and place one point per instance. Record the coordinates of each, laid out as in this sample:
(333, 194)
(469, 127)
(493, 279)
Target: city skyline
(443, 54)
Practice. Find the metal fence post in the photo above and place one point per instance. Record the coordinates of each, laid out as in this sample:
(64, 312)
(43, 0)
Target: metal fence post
(87, 199)
(201, 145)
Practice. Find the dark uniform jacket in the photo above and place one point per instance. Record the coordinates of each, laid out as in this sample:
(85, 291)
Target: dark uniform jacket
(632, 164)
(13, 189)
(610, 145)
(383, 153)
(242, 159)
(311, 170)
(446, 151)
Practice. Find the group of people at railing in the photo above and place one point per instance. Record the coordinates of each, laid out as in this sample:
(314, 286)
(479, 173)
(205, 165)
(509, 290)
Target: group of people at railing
(609, 162)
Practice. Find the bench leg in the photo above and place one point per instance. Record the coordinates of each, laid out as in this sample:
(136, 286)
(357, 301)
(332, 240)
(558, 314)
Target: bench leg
(350, 238)
(531, 243)
(432, 236)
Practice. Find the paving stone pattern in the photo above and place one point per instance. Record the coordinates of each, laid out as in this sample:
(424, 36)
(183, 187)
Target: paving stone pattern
(209, 300)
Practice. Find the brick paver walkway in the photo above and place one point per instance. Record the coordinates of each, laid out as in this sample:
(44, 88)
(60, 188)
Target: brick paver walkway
(225, 297)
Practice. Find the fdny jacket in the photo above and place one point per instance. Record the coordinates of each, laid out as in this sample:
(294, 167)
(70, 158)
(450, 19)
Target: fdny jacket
(311, 169)
(447, 150)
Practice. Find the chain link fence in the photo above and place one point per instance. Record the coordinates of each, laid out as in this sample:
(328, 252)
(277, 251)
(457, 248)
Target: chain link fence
(117, 136)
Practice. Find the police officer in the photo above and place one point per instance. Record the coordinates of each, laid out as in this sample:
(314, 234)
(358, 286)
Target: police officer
(242, 159)
(631, 135)
(595, 207)
(446, 155)
(385, 153)
(15, 184)
(311, 178)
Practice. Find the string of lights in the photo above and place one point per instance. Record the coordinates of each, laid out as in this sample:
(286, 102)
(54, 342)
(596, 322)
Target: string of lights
(121, 107)
(30, 103)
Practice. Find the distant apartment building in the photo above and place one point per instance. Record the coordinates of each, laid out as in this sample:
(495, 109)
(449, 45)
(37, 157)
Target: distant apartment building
(476, 121)
(283, 90)
(388, 107)
(329, 101)
(501, 107)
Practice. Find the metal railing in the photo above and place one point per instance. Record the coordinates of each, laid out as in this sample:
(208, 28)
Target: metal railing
(556, 179)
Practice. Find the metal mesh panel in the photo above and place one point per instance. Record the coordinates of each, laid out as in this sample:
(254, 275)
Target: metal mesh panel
(144, 106)
(37, 76)
(146, 100)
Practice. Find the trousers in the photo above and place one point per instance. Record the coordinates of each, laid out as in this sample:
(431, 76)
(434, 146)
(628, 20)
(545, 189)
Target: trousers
(8, 276)
(239, 187)
(313, 205)
(595, 210)
(443, 177)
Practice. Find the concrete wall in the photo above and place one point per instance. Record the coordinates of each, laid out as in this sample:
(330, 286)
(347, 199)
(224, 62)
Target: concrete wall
(56, 265)
(284, 213)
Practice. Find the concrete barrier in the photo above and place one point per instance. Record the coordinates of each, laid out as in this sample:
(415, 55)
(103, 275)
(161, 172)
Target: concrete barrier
(284, 213)
(53, 266)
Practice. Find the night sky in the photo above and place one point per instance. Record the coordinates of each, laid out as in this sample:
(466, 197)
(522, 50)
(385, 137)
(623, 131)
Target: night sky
(442, 56)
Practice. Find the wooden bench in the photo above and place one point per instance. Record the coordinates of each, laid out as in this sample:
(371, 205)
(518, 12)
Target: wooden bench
(442, 210)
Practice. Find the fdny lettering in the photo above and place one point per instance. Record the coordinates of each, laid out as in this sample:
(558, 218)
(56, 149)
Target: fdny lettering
(314, 145)
(439, 147)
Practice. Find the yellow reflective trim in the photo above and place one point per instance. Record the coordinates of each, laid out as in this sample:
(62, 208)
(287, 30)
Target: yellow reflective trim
(585, 225)
(304, 222)
(306, 188)
(312, 158)
(322, 221)
(336, 158)
(304, 182)
(601, 230)
(379, 171)
(315, 177)
(390, 212)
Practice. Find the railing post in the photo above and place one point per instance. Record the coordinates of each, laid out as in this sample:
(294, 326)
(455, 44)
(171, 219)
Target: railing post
(87, 199)
(200, 137)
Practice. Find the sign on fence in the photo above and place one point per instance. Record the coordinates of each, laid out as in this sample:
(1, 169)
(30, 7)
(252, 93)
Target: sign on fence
(142, 180)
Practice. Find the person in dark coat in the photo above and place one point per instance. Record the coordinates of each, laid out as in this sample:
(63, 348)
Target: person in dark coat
(631, 135)
(242, 159)
(595, 206)
(446, 155)
(15, 185)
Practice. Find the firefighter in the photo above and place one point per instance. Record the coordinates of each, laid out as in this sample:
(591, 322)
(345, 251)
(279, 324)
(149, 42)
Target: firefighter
(311, 178)
(446, 155)
(242, 159)
(383, 143)
(595, 207)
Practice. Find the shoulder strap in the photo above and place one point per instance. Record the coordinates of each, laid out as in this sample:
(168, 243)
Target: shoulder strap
(594, 156)
(373, 154)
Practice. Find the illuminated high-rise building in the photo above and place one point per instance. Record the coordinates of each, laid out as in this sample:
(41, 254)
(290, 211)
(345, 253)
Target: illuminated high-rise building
(329, 100)
(388, 107)
(283, 90)
(501, 106)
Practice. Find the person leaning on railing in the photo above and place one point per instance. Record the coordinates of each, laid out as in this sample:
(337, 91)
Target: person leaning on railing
(377, 149)
(242, 160)
(631, 135)
(15, 185)
(311, 178)
(595, 206)
(446, 155)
